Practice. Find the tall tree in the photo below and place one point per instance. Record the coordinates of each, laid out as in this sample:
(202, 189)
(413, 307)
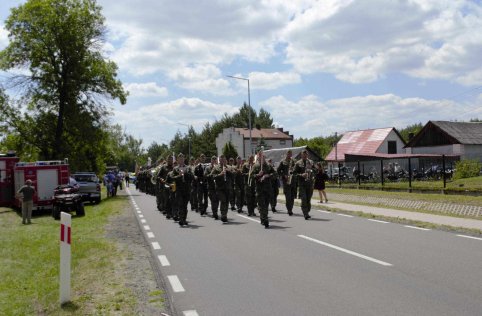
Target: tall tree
(60, 43)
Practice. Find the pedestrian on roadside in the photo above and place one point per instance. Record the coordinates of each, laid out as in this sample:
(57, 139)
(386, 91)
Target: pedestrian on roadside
(320, 180)
(27, 191)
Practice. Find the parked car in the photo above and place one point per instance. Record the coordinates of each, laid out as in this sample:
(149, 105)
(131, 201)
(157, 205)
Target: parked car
(89, 186)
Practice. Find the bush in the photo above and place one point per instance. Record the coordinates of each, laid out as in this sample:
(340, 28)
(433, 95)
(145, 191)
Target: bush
(467, 169)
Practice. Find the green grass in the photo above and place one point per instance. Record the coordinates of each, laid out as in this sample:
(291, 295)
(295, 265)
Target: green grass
(29, 265)
(468, 184)
(441, 198)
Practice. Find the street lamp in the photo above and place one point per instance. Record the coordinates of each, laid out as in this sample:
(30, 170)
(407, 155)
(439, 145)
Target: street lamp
(249, 112)
(189, 140)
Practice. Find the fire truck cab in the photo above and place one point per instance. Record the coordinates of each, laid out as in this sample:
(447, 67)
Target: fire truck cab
(7, 164)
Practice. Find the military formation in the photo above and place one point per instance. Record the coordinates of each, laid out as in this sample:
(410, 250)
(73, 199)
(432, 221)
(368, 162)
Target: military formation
(227, 184)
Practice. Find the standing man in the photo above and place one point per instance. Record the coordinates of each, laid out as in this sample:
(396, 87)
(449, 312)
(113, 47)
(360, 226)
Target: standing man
(232, 196)
(212, 187)
(249, 185)
(194, 185)
(262, 173)
(165, 189)
(28, 191)
(304, 173)
(223, 179)
(285, 171)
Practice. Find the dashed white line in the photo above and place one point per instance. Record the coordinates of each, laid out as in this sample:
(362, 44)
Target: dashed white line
(156, 245)
(344, 215)
(469, 237)
(321, 211)
(141, 216)
(139, 212)
(251, 219)
(147, 227)
(190, 313)
(163, 260)
(175, 283)
(150, 234)
(415, 227)
(378, 221)
(143, 221)
(383, 263)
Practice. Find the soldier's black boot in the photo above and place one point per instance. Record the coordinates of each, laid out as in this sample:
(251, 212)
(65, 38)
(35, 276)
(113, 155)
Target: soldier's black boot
(215, 216)
(307, 217)
(290, 213)
(266, 224)
(224, 219)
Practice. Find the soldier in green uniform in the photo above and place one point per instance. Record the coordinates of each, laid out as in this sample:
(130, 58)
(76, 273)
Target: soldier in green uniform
(194, 185)
(249, 185)
(304, 172)
(262, 173)
(213, 197)
(182, 177)
(201, 186)
(231, 166)
(273, 200)
(223, 179)
(165, 189)
(285, 172)
(239, 184)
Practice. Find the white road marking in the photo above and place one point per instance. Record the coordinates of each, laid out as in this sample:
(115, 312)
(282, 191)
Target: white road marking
(146, 227)
(163, 260)
(383, 263)
(190, 313)
(139, 212)
(175, 283)
(143, 221)
(378, 221)
(469, 237)
(321, 211)
(156, 245)
(141, 216)
(251, 219)
(415, 227)
(150, 235)
(344, 215)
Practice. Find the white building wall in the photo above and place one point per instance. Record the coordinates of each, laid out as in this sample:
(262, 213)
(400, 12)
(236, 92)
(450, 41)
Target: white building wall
(472, 152)
(436, 150)
(227, 135)
(392, 136)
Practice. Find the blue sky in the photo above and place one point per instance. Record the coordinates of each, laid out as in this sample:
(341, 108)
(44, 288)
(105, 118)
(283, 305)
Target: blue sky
(318, 67)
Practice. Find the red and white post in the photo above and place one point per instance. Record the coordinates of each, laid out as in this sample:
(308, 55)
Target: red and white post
(65, 255)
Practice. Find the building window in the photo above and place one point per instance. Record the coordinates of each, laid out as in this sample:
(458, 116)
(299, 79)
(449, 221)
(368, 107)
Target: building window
(282, 142)
(392, 147)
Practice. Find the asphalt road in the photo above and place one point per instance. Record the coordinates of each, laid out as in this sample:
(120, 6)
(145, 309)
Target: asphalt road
(330, 265)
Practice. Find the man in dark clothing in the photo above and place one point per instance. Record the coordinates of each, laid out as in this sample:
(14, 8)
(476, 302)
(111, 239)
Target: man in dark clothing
(249, 186)
(223, 179)
(212, 187)
(27, 191)
(285, 171)
(303, 170)
(182, 177)
(262, 173)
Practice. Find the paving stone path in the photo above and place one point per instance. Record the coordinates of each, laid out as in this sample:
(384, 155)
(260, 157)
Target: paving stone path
(460, 209)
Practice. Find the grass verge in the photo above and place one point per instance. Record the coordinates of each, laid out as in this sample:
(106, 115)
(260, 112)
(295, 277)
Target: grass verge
(29, 265)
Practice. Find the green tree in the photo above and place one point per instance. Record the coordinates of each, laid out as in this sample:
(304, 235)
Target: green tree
(414, 128)
(157, 151)
(60, 43)
(229, 151)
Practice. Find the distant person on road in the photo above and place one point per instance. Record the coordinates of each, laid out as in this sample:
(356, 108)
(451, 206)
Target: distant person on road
(27, 192)
(127, 179)
(320, 180)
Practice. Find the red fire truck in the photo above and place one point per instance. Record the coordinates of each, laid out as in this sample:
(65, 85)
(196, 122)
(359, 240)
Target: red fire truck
(7, 164)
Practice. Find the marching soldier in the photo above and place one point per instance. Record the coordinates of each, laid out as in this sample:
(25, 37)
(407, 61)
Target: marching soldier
(249, 185)
(304, 172)
(223, 179)
(239, 184)
(201, 188)
(274, 188)
(166, 191)
(182, 177)
(194, 185)
(262, 173)
(285, 171)
(212, 187)
(231, 195)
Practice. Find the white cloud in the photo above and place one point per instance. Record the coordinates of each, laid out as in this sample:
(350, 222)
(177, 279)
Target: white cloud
(159, 122)
(354, 42)
(309, 117)
(205, 78)
(274, 80)
(149, 89)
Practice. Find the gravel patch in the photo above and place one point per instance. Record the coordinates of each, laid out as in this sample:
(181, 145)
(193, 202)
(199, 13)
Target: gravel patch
(140, 271)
